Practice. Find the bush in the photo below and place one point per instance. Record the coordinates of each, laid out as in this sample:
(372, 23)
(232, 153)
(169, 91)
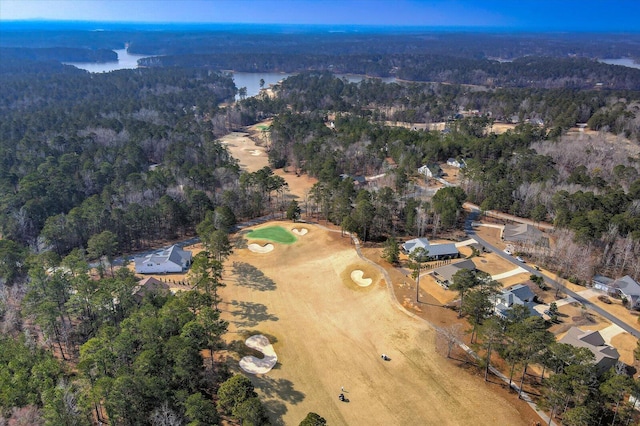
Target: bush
(604, 299)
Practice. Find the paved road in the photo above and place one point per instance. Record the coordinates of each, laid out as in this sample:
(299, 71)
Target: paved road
(552, 283)
(505, 216)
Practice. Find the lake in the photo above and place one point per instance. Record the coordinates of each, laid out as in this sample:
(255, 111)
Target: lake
(250, 80)
(125, 61)
(625, 62)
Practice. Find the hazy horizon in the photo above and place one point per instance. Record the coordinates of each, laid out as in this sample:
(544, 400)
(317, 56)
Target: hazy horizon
(490, 15)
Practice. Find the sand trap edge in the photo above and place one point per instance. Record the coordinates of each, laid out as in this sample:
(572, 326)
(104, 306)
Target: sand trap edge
(356, 276)
(251, 364)
(257, 248)
(299, 231)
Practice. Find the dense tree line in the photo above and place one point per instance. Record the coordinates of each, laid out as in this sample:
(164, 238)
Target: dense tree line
(536, 72)
(62, 54)
(289, 39)
(138, 354)
(86, 142)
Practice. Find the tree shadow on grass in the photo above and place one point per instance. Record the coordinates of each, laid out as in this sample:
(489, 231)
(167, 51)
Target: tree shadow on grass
(276, 391)
(239, 346)
(249, 314)
(276, 410)
(281, 389)
(249, 276)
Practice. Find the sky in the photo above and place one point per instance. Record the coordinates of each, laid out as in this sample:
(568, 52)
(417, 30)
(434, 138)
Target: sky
(551, 15)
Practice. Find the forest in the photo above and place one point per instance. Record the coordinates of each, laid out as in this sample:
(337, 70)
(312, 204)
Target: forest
(94, 166)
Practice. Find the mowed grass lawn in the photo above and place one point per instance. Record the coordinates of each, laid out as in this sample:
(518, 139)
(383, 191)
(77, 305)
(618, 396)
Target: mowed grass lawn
(273, 233)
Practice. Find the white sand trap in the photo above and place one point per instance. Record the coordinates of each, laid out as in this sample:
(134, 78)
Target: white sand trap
(356, 276)
(255, 152)
(254, 365)
(257, 248)
(299, 231)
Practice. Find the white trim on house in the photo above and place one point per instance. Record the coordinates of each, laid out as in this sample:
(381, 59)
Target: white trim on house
(171, 260)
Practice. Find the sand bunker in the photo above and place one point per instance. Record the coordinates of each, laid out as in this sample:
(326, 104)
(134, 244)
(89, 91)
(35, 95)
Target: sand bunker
(253, 365)
(299, 231)
(356, 276)
(255, 152)
(257, 248)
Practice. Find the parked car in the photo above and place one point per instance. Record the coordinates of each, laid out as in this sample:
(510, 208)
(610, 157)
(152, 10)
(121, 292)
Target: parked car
(507, 251)
(536, 267)
(519, 259)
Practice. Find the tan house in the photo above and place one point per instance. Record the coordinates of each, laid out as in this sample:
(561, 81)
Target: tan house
(606, 356)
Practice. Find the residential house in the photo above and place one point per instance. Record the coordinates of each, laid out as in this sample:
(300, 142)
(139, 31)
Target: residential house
(149, 285)
(524, 233)
(602, 283)
(625, 287)
(430, 170)
(357, 180)
(411, 245)
(444, 274)
(171, 260)
(456, 163)
(536, 122)
(519, 294)
(434, 251)
(606, 356)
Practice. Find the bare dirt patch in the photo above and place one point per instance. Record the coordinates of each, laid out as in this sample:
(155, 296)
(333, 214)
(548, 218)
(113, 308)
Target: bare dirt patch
(625, 343)
(494, 264)
(572, 314)
(619, 310)
(330, 333)
(499, 128)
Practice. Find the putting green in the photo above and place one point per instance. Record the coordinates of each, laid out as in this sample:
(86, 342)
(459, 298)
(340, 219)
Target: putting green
(273, 233)
(262, 127)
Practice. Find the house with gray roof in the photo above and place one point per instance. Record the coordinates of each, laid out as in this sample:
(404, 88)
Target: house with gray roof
(606, 356)
(524, 233)
(602, 283)
(625, 287)
(170, 260)
(519, 294)
(629, 289)
(444, 274)
(434, 251)
(411, 245)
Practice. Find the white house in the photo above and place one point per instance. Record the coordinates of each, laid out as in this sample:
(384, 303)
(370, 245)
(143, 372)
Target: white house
(171, 260)
(430, 170)
(456, 163)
